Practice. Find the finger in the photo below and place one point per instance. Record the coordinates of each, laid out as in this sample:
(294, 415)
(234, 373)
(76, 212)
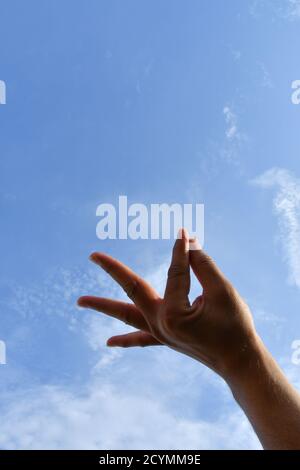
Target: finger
(205, 269)
(128, 313)
(178, 282)
(138, 290)
(137, 338)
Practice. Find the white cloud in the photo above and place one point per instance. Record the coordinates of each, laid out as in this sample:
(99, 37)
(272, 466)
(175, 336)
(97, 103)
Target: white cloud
(291, 371)
(106, 418)
(264, 317)
(231, 121)
(293, 9)
(222, 152)
(282, 9)
(266, 80)
(286, 205)
(139, 398)
(234, 138)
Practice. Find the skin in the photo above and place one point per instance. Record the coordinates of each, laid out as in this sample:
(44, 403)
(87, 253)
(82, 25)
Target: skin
(217, 330)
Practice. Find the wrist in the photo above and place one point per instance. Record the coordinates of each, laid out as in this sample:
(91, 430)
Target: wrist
(246, 361)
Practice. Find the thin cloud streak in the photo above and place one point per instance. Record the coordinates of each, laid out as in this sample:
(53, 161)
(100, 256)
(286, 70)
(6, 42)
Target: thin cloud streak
(286, 205)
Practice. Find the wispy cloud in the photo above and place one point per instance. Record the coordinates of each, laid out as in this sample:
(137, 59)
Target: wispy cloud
(231, 121)
(102, 397)
(286, 204)
(293, 9)
(266, 80)
(234, 138)
(104, 417)
(276, 9)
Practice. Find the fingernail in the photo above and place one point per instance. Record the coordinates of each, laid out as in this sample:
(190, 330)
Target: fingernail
(183, 233)
(194, 244)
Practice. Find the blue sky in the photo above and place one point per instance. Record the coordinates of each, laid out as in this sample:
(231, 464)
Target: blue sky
(163, 102)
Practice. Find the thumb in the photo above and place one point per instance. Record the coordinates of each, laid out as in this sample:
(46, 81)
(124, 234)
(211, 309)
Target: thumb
(205, 269)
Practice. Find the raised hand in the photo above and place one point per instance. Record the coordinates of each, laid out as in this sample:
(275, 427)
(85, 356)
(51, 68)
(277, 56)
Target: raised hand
(216, 329)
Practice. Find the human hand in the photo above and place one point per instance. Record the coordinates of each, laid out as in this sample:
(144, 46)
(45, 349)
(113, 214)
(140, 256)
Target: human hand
(216, 329)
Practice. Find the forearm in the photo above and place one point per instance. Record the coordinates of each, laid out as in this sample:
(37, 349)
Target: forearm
(270, 402)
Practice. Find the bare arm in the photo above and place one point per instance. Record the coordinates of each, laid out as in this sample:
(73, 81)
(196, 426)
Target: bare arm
(216, 329)
(270, 402)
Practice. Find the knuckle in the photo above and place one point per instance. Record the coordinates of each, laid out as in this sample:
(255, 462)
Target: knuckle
(176, 270)
(206, 260)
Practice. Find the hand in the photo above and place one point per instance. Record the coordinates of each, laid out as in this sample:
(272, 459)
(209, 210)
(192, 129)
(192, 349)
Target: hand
(216, 329)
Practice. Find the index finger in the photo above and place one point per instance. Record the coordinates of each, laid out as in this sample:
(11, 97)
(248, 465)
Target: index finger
(138, 290)
(178, 283)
